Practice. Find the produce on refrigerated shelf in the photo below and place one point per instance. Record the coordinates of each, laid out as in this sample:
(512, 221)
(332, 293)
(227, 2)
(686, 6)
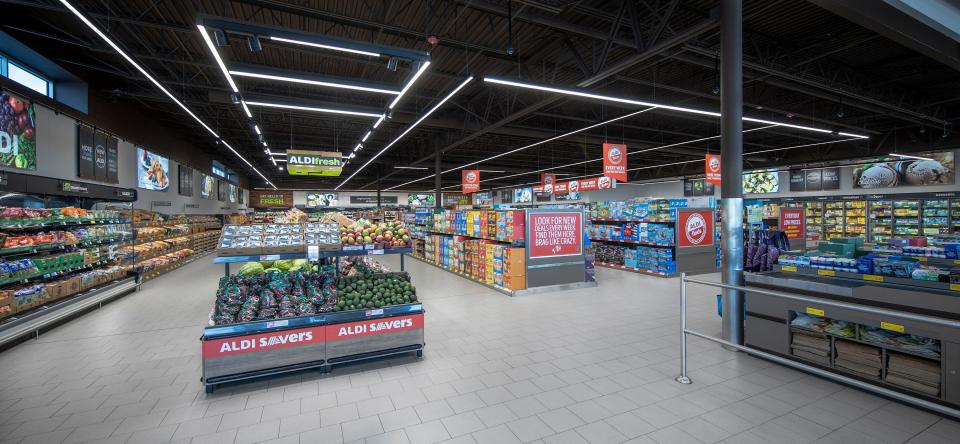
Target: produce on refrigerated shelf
(374, 291)
(390, 234)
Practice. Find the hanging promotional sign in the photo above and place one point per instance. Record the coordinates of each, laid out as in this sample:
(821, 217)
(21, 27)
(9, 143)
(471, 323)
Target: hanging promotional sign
(792, 222)
(561, 188)
(322, 200)
(596, 183)
(694, 228)
(555, 234)
(18, 133)
(470, 181)
(546, 181)
(713, 169)
(314, 163)
(615, 161)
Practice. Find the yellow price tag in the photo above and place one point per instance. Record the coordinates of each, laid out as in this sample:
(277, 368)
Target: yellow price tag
(892, 327)
(922, 259)
(956, 262)
(814, 311)
(789, 268)
(955, 287)
(873, 277)
(826, 272)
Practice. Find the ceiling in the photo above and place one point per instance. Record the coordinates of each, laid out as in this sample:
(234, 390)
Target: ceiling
(802, 65)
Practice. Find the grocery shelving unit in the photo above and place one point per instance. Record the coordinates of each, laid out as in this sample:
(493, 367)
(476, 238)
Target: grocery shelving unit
(814, 220)
(855, 218)
(685, 262)
(833, 220)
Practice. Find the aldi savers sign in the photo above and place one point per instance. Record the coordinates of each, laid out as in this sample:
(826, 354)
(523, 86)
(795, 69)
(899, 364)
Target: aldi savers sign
(314, 163)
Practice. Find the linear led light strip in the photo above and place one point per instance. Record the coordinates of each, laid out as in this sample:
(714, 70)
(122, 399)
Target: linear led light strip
(572, 92)
(312, 82)
(527, 147)
(322, 46)
(410, 128)
(409, 84)
(314, 109)
(157, 83)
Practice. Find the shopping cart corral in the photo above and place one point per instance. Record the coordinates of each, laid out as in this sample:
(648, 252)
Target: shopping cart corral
(851, 332)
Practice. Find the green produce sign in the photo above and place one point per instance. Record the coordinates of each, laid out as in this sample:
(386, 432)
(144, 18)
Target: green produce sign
(18, 128)
(314, 163)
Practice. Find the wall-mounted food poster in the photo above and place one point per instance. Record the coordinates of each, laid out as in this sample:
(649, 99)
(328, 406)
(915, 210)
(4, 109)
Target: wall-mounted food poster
(322, 200)
(18, 133)
(523, 195)
(233, 193)
(153, 171)
(925, 169)
(761, 182)
(422, 200)
(207, 186)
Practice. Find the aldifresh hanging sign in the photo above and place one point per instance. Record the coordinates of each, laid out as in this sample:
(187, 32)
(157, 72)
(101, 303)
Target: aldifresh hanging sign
(314, 163)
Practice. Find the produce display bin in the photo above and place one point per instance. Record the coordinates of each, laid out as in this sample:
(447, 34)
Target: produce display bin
(250, 350)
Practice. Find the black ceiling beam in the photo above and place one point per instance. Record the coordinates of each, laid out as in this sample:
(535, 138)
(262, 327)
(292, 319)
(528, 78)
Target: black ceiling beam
(628, 62)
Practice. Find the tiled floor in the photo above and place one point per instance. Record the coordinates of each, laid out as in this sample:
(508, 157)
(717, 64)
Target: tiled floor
(591, 365)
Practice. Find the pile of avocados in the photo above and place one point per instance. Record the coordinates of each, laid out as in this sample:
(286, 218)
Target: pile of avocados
(374, 291)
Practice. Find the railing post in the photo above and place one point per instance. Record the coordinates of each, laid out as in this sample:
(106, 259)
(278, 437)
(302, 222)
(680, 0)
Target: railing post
(683, 378)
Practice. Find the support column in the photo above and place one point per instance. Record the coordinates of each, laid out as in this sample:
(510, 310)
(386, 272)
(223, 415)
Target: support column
(731, 150)
(379, 186)
(436, 178)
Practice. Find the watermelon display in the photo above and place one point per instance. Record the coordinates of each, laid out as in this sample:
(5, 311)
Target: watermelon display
(250, 269)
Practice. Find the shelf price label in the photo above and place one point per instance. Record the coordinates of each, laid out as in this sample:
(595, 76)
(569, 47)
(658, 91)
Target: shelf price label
(892, 327)
(873, 277)
(955, 287)
(788, 268)
(815, 311)
(921, 259)
(826, 272)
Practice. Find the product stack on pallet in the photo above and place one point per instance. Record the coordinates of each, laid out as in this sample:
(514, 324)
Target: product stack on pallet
(914, 373)
(860, 359)
(811, 346)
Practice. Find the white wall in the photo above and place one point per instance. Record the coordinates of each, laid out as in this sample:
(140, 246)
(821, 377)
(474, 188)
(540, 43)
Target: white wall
(57, 158)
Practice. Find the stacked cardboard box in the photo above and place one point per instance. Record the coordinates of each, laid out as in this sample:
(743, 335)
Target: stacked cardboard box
(860, 359)
(811, 346)
(917, 374)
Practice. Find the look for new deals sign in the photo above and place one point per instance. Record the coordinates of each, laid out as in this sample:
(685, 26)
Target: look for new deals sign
(555, 234)
(471, 181)
(615, 161)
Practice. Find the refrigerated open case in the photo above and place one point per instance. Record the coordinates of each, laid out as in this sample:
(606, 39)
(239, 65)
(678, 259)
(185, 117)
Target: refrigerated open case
(881, 220)
(855, 218)
(935, 217)
(906, 217)
(955, 216)
(814, 219)
(832, 220)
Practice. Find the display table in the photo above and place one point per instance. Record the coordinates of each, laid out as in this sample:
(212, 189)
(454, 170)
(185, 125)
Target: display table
(247, 350)
(882, 348)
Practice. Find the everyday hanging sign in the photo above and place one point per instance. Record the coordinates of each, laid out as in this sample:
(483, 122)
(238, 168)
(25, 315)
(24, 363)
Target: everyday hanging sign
(615, 161)
(314, 163)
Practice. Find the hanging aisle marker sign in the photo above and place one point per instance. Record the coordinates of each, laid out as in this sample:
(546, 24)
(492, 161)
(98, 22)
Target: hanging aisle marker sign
(596, 183)
(560, 188)
(471, 181)
(713, 169)
(615, 161)
(314, 163)
(547, 180)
